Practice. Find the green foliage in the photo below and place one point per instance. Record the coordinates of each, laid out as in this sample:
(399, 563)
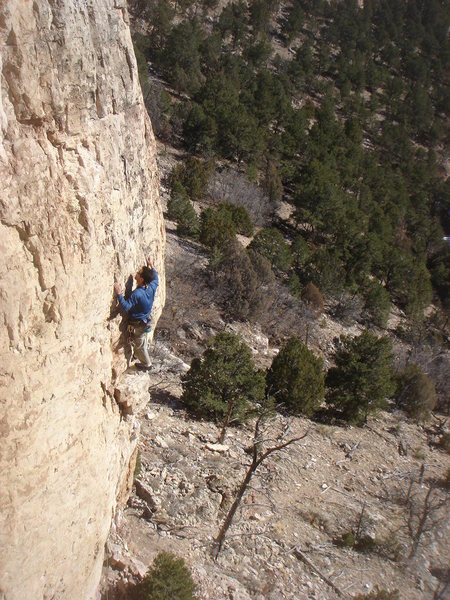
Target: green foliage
(293, 23)
(326, 270)
(346, 540)
(362, 378)
(180, 57)
(193, 175)
(409, 282)
(377, 302)
(178, 196)
(199, 130)
(295, 287)
(224, 377)
(180, 209)
(440, 274)
(240, 218)
(416, 393)
(388, 548)
(217, 227)
(168, 577)
(270, 243)
(295, 378)
(300, 252)
(367, 197)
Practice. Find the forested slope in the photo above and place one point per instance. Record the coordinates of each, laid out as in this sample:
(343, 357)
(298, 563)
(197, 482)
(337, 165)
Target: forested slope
(337, 109)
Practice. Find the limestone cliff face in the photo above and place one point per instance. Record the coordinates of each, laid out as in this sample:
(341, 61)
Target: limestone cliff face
(78, 208)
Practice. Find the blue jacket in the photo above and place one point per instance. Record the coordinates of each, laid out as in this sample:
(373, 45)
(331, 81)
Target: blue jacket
(139, 305)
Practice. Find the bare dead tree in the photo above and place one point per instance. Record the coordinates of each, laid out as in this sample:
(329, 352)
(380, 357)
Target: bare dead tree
(301, 556)
(424, 514)
(259, 455)
(232, 186)
(358, 529)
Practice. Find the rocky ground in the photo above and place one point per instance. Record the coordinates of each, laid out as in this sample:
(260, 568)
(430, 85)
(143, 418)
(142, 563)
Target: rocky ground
(283, 540)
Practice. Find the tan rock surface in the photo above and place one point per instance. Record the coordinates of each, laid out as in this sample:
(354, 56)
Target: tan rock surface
(79, 207)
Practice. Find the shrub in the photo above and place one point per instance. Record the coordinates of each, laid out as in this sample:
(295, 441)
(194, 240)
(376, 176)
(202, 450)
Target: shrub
(216, 227)
(366, 543)
(270, 243)
(362, 378)
(168, 577)
(300, 252)
(326, 270)
(188, 223)
(416, 393)
(419, 453)
(444, 442)
(346, 540)
(193, 175)
(180, 209)
(199, 130)
(224, 381)
(312, 296)
(137, 466)
(377, 303)
(240, 218)
(295, 378)
(178, 195)
(295, 287)
(245, 281)
(231, 186)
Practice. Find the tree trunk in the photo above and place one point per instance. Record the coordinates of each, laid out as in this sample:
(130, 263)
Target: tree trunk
(228, 519)
(227, 420)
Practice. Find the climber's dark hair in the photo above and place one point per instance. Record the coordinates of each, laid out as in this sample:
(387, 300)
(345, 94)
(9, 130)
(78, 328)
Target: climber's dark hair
(147, 274)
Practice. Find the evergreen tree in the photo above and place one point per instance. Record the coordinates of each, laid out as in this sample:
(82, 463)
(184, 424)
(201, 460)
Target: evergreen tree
(180, 209)
(224, 383)
(295, 378)
(362, 378)
(217, 227)
(416, 393)
(193, 175)
(270, 243)
(240, 218)
(377, 302)
(168, 577)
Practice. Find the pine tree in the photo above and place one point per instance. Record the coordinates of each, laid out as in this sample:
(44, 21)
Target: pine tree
(224, 383)
(168, 577)
(295, 378)
(270, 243)
(362, 378)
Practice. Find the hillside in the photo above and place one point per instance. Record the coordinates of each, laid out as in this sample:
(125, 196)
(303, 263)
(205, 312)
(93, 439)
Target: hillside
(306, 497)
(328, 123)
(303, 158)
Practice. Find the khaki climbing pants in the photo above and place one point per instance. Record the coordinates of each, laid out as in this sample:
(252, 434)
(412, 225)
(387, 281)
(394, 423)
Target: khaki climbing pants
(140, 341)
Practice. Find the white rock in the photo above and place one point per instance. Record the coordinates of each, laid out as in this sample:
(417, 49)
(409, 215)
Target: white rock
(159, 441)
(217, 447)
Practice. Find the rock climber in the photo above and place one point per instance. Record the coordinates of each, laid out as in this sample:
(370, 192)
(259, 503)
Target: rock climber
(139, 308)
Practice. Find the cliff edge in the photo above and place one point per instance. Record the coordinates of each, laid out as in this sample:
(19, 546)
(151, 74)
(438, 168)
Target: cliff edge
(79, 207)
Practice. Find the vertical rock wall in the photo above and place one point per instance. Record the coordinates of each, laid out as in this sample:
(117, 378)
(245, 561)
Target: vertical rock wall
(78, 207)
